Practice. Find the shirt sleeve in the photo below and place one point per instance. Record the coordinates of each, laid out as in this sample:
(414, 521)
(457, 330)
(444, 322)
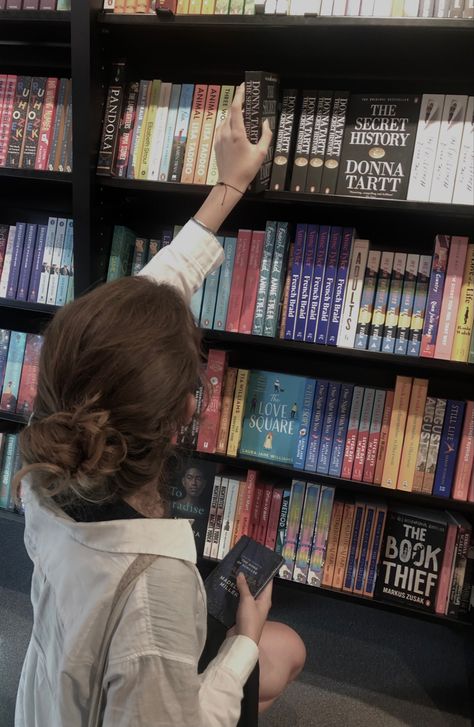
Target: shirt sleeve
(187, 261)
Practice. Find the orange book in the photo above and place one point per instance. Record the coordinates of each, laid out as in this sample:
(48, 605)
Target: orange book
(247, 506)
(412, 435)
(397, 431)
(344, 545)
(226, 410)
(195, 125)
(332, 544)
(425, 436)
(465, 463)
(119, 6)
(238, 512)
(130, 6)
(207, 134)
(286, 291)
(382, 450)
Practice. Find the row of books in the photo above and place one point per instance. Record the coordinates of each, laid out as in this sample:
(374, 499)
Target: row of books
(35, 4)
(35, 123)
(9, 465)
(19, 362)
(36, 262)
(410, 556)
(401, 439)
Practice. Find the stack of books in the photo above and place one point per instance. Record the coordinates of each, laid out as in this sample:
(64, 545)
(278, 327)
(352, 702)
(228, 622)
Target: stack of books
(19, 364)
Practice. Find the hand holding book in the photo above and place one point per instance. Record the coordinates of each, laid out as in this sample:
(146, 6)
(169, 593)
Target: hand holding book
(252, 613)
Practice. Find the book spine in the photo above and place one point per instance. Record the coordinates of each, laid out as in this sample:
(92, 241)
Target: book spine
(169, 128)
(295, 509)
(366, 538)
(7, 262)
(334, 145)
(332, 543)
(459, 570)
(302, 443)
(3, 244)
(412, 438)
(303, 141)
(148, 131)
(426, 142)
(225, 101)
(211, 523)
(110, 129)
(367, 300)
(274, 518)
(256, 510)
(425, 434)
(433, 449)
(7, 469)
(446, 568)
(15, 266)
(465, 317)
(374, 553)
(142, 102)
(319, 142)
(47, 258)
(329, 423)
(465, 463)
(344, 545)
(225, 280)
(314, 441)
(286, 292)
(340, 285)
(354, 547)
(65, 123)
(381, 300)
(125, 132)
(464, 183)
(209, 426)
(56, 261)
(352, 431)
(284, 141)
(419, 306)
(451, 296)
(181, 132)
(13, 368)
(350, 315)
(18, 124)
(340, 430)
(33, 122)
(65, 269)
(4, 343)
(247, 506)
(306, 282)
(221, 500)
(46, 124)
(264, 279)
(320, 537)
(26, 262)
(276, 280)
(327, 292)
(449, 448)
(262, 525)
(61, 100)
(228, 518)
(238, 408)
(406, 304)
(238, 280)
(317, 284)
(449, 146)
(305, 539)
(226, 410)
(209, 298)
(195, 126)
(435, 296)
(394, 301)
(29, 375)
(283, 521)
(140, 253)
(6, 117)
(363, 435)
(382, 450)
(249, 300)
(209, 122)
(295, 283)
(374, 437)
(396, 432)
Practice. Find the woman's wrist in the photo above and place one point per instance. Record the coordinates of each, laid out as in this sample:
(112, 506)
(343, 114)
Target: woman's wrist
(219, 203)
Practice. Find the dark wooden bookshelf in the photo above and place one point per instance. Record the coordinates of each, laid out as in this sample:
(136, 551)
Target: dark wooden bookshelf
(24, 17)
(34, 175)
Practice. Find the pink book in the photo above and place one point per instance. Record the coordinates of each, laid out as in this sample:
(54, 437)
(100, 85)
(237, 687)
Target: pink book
(256, 510)
(451, 294)
(261, 532)
(3, 85)
(352, 432)
(209, 426)
(363, 435)
(274, 518)
(465, 463)
(470, 497)
(238, 280)
(245, 520)
(374, 436)
(47, 121)
(6, 117)
(251, 282)
(446, 568)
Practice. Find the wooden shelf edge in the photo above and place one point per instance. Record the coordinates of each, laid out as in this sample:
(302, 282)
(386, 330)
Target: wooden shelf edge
(35, 16)
(34, 175)
(40, 309)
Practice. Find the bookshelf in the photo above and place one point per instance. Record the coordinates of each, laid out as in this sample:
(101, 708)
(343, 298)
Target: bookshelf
(324, 52)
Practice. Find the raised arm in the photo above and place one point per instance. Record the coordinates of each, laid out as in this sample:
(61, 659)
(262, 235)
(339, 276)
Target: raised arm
(195, 251)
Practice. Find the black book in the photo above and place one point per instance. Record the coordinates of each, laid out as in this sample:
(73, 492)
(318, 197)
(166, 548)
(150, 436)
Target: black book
(257, 563)
(319, 142)
(110, 129)
(378, 146)
(334, 145)
(303, 141)
(261, 99)
(284, 141)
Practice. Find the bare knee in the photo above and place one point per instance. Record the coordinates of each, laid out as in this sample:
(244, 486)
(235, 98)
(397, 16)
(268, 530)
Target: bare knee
(282, 657)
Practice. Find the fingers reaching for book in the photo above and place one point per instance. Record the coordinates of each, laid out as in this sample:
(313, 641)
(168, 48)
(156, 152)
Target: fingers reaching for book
(236, 118)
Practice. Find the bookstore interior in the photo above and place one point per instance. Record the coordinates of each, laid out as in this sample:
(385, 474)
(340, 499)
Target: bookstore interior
(334, 423)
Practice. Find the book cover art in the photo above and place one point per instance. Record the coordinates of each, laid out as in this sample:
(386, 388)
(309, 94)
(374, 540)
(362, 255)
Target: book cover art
(381, 301)
(451, 296)
(419, 306)
(225, 280)
(340, 429)
(434, 444)
(435, 296)
(261, 99)
(284, 141)
(424, 155)
(307, 272)
(303, 141)
(355, 280)
(264, 279)
(465, 317)
(295, 510)
(315, 298)
(448, 448)
(110, 129)
(29, 375)
(367, 300)
(140, 252)
(305, 539)
(464, 185)
(259, 565)
(328, 427)
(340, 284)
(393, 302)
(327, 292)
(320, 537)
(406, 304)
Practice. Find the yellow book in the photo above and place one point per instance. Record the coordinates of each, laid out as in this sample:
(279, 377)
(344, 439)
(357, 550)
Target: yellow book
(412, 435)
(147, 129)
(208, 7)
(130, 6)
(398, 8)
(195, 7)
(138, 151)
(225, 102)
(464, 323)
(119, 7)
(396, 432)
(183, 7)
(238, 408)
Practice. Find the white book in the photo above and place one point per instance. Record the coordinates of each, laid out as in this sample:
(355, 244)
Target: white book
(270, 7)
(312, 7)
(449, 145)
(229, 518)
(7, 261)
(158, 136)
(426, 143)
(353, 8)
(367, 8)
(339, 7)
(355, 281)
(382, 8)
(282, 7)
(410, 8)
(296, 7)
(221, 500)
(47, 258)
(56, 262)
(326, 7)
(211, 523)
(426, 9)
(464, 184)
(441, 8)
(468, 12)
(109, 5)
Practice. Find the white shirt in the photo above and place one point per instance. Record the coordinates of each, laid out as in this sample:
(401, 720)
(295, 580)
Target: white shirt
(151, 678)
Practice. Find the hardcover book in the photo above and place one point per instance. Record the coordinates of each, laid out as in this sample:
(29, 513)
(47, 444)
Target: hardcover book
(449, 146)
(332, 155)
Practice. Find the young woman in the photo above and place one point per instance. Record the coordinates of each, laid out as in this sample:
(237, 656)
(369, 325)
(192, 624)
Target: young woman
(117, 374)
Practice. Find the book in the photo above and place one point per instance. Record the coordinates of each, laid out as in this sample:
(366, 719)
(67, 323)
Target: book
(304, 428)
(110, 129)
(328, 427)
(412, 437)
(449, 146)
(332, 543)
(348, 327)
(257, 563)
(425, 435)
(65, 268)
(367, 299)
(276, 279)
(272, 416)
(7, 469)
(57, 132)
(363, 434)
(295, 282)
(295, 511)
(16, 254)
(284, 141)
(393, 302)
(375, 547)
(447, 565)
(4, 343)
(435, 296)
(319, 141)
(419, 305)
(145, 141)
(123, 243)
(125, 132)
(238, 408)
(261, 98)
(317, 283)
(26, 262)
(140, 253)
(205, 142)
(343, 545)
(29, 375)
(264, 279)
(406, 304)
(464, 182)
(159, 131)
(18, 121)
(380, 302)
(249, 300)
(286, 292)
(260, 532)
(226, 409)
(378, 145)
(7, 261)
(433, 449)
(194, 132)
(256, 509)
(236, 296)
(340, 285)
(448, 448)
(352, 432)
(332, 155)
(273, 518)
(6, 117)
(317, 419)
(465, 460)
(366, 535)
(46, 124)
(209, 426)
(382, 448)
(209, 299)
(225, 102)
(305, 539)
(307, 270)
(33, 123)
(459, 569)
(244, 523)
(144, 91)
(451, 294)
(303, 141)
(221, 499)
(181, 132)
(193, 493)
(225, 281)
(42, 289)
(396, 432)
(426, 143)
(465, 316)
(340, 429)
(56, 258)
(412, 554)
(320, 537)
(327, 292)
(228, 518)
(12, 375)
(353, 554)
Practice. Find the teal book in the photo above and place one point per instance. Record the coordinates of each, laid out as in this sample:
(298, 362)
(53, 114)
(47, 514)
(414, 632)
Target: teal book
(277, 275)
(264, 280)
(272, 416)
(210, 296)
(118, 254)
(196, 302)
(225, 281)
(7, 469)
(65, 269)
(11, 381)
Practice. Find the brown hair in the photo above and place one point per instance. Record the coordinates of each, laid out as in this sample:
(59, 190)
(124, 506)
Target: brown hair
(116, 369)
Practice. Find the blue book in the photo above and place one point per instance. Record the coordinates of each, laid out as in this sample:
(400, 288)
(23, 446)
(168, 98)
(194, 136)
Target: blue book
(264, 279)
(16, 260)
(210, 296)
(26, 262)
(340, 429)
(380, 302)
(272, 416)
(448, 448)
(225, 281)
(340, 288)
(302, 444)
(315, 299)
(11, 381)
(283, 520)
(316, 425)
(169, 132)
(276, 280)
(4, 343)
(327, 292)
(351, 568)
(306, 282)
(37, 263)
(375, 551)
(295, 281)
(329, 424)
(196, 303)
(181, 132)
(363, 563)
(65, 270)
